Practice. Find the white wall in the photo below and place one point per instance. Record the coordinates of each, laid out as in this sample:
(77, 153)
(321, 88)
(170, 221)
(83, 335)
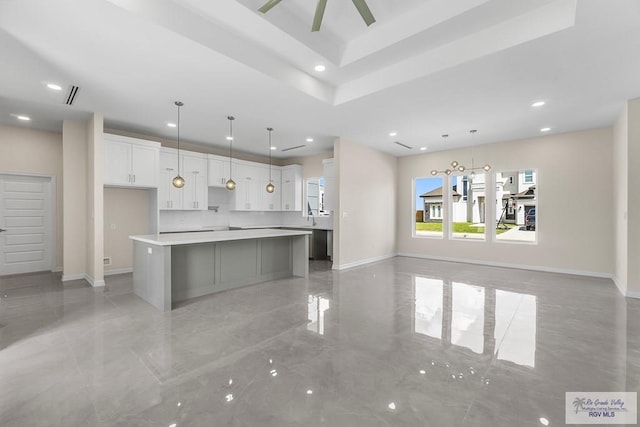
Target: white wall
(37, 152)
(575, 212)
(74, 151)
(633, 232)
(365, 214)
(126, 213)
(95, 209)
(619, 168)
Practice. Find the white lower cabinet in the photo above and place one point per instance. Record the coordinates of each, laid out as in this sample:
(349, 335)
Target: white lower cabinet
(193, 168)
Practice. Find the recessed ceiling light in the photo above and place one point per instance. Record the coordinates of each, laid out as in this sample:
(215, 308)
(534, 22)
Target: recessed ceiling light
(545, 129)
(393, 133)
(320, 68)
(274, 148)
(309, 139)
(423, 148)
(54, 86)
(23, 118)
(171, 125)
(538, 104)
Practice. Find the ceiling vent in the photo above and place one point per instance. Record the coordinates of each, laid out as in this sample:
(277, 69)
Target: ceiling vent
(72, 95)
(293, 148)
(403, 145)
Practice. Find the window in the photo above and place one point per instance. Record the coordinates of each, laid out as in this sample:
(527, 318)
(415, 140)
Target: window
(528, 176)
(516, 206)
(468, 207)
(429, 208)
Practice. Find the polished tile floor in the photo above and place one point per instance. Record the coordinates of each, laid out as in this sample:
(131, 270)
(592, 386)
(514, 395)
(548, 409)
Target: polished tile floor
(404, 342)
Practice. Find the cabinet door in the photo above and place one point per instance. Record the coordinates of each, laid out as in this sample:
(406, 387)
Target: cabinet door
(144, 166)
(270, 201)
(169, 197)
(117, 165)
(194, 195)
(218, 172)
(194, 192)
(292, 188)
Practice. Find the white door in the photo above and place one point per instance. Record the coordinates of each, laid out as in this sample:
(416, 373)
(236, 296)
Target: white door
(25, 218)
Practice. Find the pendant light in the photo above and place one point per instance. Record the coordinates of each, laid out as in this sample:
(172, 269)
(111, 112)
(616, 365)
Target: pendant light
(270, 187)
(178, 181)
(230, 184)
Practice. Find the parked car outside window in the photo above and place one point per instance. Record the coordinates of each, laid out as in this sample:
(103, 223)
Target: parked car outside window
(530, 219)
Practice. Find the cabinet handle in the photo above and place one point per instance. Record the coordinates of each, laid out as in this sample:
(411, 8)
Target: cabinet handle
(195, 172)
(169, 169)
(134, 177)
(129, 180)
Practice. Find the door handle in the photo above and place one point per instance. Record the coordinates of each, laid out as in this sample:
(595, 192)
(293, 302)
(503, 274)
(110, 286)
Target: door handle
(2, 229)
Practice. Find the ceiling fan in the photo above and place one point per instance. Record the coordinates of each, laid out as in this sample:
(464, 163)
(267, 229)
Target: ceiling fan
(361, 5)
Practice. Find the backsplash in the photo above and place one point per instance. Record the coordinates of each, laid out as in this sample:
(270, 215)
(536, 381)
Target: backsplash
(193, 220)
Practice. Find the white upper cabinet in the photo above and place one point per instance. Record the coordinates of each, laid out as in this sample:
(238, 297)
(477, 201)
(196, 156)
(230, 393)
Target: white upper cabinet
(247, 177)
(218, 170)
(130, 162)
(292, 188)
(195, 194)
(193, 168)
(270, 201)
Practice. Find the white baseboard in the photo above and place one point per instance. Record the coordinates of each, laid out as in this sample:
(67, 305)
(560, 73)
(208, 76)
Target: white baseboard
(618, 284)
(57, 270)
(362, 262)
(68, 277)
(118, 271)
(635, 295)
(517, 266)
(83, 276)
(93, 282)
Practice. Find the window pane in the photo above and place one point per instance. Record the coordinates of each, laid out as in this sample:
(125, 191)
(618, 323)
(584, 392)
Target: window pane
(516, 208)
(428, 206)
(468, 207)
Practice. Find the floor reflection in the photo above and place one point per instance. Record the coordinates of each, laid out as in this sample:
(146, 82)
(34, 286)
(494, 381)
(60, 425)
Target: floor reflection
(483, 320)
(316, 307)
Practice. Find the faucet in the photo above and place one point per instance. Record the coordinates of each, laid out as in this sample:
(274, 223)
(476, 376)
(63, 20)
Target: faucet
(310, 214)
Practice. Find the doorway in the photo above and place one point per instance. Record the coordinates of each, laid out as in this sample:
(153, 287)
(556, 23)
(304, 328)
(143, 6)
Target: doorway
(26, 221)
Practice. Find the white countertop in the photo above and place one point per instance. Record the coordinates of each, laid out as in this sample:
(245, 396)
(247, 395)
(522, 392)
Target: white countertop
(214, 236)
(301, 227)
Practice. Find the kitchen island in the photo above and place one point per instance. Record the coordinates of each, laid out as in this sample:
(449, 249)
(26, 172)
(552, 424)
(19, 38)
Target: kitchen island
(173, 267)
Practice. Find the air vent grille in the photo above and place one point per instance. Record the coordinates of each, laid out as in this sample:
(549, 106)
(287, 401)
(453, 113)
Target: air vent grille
(293, 148)
(72, 95)
(403, 145)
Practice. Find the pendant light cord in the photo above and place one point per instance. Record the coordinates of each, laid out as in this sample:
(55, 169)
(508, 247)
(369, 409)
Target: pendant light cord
(270, 129)
(179, 104)
(231, 118)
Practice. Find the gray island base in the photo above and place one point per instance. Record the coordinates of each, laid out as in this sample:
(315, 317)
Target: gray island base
(168, 268)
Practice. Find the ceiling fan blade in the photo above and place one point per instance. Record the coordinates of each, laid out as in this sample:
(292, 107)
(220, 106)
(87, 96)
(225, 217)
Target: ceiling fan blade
(317, 18)
(268, 5)
(364, 11)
